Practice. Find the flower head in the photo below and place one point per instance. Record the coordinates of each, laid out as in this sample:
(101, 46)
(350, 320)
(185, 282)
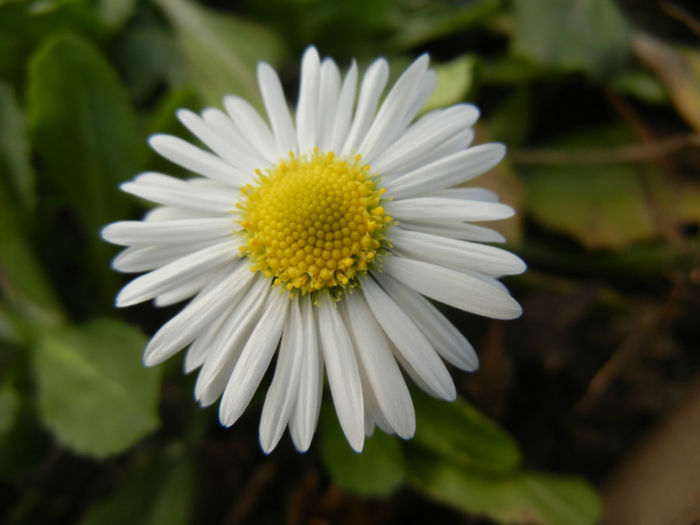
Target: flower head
(318, 239)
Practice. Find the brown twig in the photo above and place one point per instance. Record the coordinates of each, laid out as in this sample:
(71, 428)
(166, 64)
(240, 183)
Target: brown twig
(251, 493)
(683, 16)
(630, 153)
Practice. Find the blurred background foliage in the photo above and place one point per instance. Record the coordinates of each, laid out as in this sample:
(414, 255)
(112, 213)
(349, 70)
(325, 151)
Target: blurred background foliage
(599, 103)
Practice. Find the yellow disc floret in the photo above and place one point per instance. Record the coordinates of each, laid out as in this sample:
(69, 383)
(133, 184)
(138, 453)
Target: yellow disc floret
(314, 222)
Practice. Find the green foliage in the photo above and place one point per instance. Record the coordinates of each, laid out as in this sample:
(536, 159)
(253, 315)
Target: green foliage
(559, 34)
(93, 392)
(159, 494)
(512, 498)
(85, 133)
(600, 119)
(221, 51)
(378, 471)
(459, 432)
(24, 24)
(604, 207)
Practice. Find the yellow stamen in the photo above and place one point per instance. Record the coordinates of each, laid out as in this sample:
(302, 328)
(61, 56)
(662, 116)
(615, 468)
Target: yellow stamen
(314, 222)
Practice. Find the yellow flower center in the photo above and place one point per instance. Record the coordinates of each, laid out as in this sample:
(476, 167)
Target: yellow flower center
(314, 222)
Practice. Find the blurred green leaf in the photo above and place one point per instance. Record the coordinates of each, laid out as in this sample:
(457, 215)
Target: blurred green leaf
(221, 50)
(601, 205)
(114, 13)
(577, 35)
(642, 85)
(93, 392)
(15, 168)
(519, 497)
(433, 20)
(378, 471)
(87, 140)
(502, 125)
(458, 431)
(23, 285)
(9, 407)
(84, 129)
(23, 24)
(161, 494)
(147, 55)
(27, 292)
(679, 71)
(454, 80)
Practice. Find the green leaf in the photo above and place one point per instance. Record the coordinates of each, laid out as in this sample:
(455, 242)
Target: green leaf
(454, 80)
(93, 392)
(148, 56)
(534, 498)
(85, 133)
(161, 494)
(458, 431)
(577, 35)
(87, 140)
(114, 13)
(9, 408)
(23, 24)
(221, 50)
(678, 69)
(642, 85)
(24, 286)
(426, 21)
(15, 167)
(377, 471)
(601, 205)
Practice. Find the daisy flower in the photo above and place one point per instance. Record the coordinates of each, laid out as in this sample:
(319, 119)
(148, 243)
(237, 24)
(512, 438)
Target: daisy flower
(320, 238)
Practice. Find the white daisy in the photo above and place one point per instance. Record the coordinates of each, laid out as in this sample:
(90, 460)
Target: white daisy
(321, 236)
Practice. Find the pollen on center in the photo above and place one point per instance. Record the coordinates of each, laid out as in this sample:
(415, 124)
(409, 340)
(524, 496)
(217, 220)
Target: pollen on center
(314, 222)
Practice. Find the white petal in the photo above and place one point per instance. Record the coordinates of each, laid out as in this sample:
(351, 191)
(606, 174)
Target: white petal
(468, 194)
(146, 258)
(276, 106)
(329, 92)
(166, 232)
(169, 213)
(248, 155)
(419, 209)
(448, 171)
(180, 194)
(229, 342)
(343, 114)
(302, 423)
(372, 86)
(255, 358)
(254, 127)
(158, 281)
(282, 394)
(392, 115)
(307, 105)
(233, 152)
(341, 368)
(383, 375)
(456, 230)
(186, 289)
(199, 350)
(442, 334)
(427, 86)
(459, 255)
(454, 288)
(194, 159)
(409, 340)
(199, 314)
(416, 143)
